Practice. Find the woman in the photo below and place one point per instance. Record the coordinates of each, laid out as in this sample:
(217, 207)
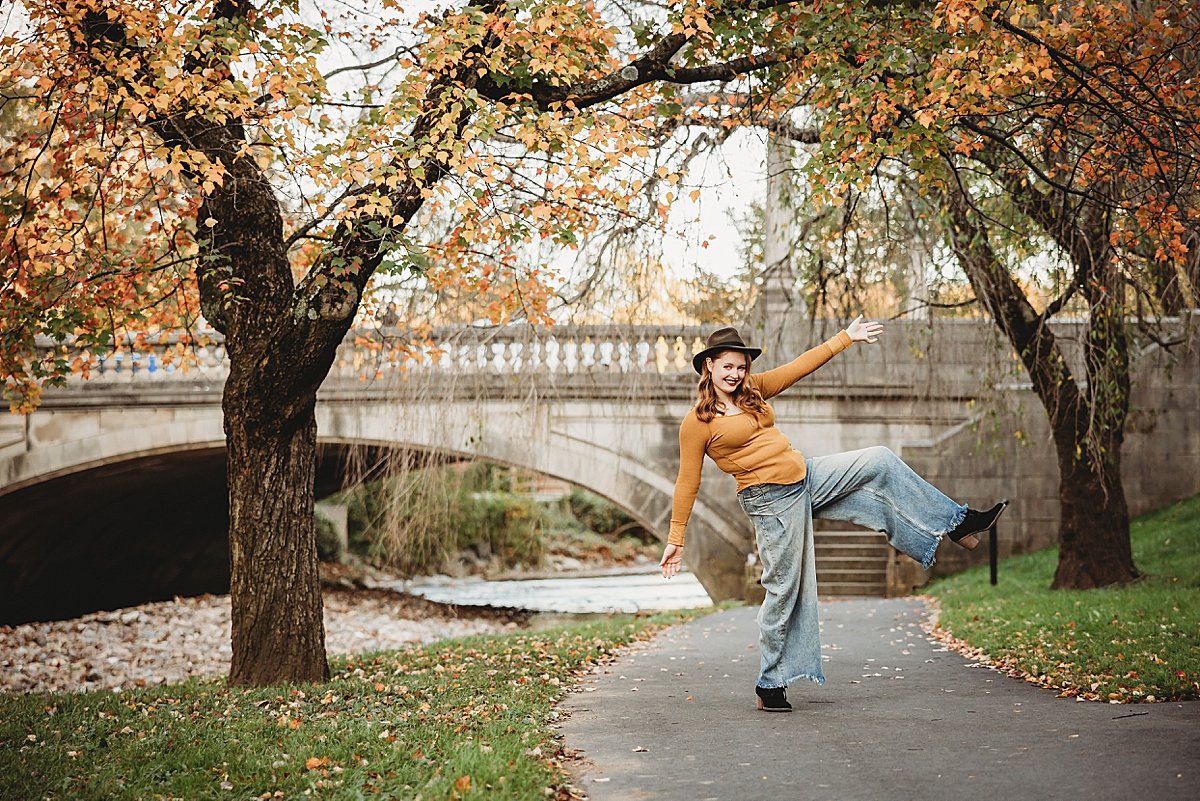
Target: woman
(782, 492)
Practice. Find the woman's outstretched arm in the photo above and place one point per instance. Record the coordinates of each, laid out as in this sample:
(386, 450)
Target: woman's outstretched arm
(772, 382)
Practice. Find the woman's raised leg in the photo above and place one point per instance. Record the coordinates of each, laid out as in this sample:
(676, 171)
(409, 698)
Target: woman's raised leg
(874, 488)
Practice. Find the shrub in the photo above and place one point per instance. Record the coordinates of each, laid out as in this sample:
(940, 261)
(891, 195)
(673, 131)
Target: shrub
(329, 544)
(420, 521)
(423, 521)
(604, 517)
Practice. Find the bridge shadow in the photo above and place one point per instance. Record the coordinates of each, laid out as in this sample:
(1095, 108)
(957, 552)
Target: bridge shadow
(140, 530)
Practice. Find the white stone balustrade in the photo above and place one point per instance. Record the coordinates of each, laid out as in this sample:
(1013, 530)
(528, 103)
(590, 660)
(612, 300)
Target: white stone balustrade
(459, 350)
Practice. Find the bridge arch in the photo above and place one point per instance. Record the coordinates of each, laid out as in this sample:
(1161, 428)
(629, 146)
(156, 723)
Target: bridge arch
(150, 509)
(617, 463)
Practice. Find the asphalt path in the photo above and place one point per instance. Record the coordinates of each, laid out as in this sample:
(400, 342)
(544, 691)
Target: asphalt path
(900, 717)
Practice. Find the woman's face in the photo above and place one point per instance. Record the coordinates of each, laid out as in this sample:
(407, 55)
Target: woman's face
(728, 370)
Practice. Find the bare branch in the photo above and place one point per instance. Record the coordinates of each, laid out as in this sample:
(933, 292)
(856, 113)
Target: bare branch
(402, 49)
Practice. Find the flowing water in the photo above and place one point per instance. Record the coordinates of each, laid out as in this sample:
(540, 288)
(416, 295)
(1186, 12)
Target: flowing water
(621, 592)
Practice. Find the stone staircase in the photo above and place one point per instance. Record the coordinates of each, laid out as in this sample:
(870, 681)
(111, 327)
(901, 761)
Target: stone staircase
(853, 562)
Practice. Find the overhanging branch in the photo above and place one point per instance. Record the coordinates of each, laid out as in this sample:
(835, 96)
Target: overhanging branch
(652, 66)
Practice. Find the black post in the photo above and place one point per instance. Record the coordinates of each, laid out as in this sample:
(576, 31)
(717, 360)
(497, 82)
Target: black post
(993, 552)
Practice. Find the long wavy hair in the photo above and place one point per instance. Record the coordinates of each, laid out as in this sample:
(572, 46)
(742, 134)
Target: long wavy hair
(746, 397)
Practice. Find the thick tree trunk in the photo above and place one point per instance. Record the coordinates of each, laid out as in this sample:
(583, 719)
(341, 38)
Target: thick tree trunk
(1087, 423)
(278, 626)
(1095, 548)
(278, 359)
(1094, 533)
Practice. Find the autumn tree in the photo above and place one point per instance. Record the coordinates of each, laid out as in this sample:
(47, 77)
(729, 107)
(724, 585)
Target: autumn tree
(1057, 140)
(188, 157)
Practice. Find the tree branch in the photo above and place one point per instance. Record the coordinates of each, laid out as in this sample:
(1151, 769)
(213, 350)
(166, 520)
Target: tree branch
(652, 66)
(1003, 297)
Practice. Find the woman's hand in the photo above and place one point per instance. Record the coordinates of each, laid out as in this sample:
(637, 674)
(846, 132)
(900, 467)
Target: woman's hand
(864, 332)
(672, 560)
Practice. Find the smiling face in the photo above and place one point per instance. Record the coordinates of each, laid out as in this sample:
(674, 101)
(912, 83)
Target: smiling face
(728, 370)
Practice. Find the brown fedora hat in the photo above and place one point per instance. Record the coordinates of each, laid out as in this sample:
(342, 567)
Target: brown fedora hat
(721, 340)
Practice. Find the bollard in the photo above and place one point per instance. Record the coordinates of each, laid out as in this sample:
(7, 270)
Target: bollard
(993, 553)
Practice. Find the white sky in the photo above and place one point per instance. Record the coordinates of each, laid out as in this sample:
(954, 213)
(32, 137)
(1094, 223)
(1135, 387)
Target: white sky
(729, 181)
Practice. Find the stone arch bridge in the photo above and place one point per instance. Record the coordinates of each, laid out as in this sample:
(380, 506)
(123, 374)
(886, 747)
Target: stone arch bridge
(113, 491)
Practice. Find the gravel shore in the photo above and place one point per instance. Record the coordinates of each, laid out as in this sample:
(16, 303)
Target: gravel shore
(169, 641)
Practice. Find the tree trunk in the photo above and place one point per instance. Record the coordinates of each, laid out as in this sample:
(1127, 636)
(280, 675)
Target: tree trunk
(278, 358)
(1094, 533)
(1095, 549)
(1088, 425)
(278, 625)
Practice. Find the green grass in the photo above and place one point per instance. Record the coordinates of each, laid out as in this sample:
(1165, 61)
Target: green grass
(466, 719)
(1138, 642)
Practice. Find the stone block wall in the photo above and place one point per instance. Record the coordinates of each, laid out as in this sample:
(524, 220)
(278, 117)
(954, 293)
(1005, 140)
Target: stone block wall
(1009, 454)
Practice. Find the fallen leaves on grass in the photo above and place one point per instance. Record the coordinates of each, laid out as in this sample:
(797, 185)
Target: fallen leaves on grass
(1066, 678)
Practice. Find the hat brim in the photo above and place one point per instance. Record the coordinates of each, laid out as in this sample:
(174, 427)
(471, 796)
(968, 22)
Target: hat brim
(699, 358)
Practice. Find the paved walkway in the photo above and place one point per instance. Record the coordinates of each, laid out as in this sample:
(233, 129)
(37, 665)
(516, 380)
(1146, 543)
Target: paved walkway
(899, 718)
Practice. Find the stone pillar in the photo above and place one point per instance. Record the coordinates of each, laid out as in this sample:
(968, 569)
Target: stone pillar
(917, 288)
(779, 304)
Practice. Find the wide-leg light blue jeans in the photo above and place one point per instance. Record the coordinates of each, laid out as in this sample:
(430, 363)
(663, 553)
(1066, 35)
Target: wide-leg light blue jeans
(872, 488)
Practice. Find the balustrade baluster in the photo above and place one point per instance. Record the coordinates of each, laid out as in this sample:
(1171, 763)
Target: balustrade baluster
(496, 362)
(572, 357)
(678, 354)
(624, 356)
(441, 356)
(697, 346)
(604, 356)
(661, 354)
(641, 356)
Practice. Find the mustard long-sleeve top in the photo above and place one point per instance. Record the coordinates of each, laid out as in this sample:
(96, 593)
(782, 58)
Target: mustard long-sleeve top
(747, 446)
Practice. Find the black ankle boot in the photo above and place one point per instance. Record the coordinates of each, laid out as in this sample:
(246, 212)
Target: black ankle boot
(975, 523)
(773, 699)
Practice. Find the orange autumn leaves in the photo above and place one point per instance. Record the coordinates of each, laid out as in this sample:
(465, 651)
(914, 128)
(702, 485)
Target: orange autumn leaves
(1093, 97)
(99, 233)
(97, 220)
(100, 220)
